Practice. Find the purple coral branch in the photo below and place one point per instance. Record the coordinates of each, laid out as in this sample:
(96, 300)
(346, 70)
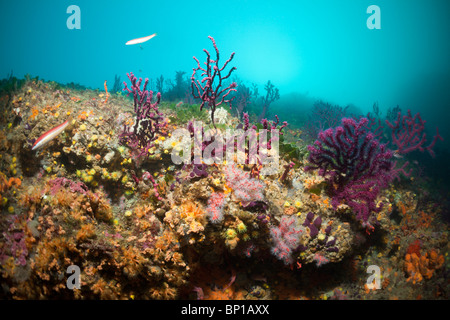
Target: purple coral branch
(212, 93)
(323, 116)
(287, 168)
(431, 146)
(149, 121)
(354, 163)
(395, 172)
(148, 178)
(407, 133)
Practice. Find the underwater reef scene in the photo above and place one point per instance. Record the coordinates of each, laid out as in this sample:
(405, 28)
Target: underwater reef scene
(126, 187)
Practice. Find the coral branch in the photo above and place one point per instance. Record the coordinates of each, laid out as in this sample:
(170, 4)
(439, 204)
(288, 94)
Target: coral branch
(408, 134)
(354, 163)
(106, 93)
(211, 92)
(149, 121)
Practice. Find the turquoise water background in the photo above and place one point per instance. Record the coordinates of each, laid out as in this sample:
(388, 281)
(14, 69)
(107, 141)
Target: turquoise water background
(318, 49)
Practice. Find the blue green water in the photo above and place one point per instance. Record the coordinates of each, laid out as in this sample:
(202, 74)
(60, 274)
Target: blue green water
(320, 48)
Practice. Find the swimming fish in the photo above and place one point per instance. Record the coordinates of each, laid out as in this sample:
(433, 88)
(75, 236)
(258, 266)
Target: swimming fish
(397, 154)
(50, 135)
(140, 40)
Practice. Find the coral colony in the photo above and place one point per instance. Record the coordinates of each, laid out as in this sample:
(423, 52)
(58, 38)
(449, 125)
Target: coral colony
(408, 134)
(210, 89)
(149, 121)
(151, 203)
(286, 238)
(355, 165)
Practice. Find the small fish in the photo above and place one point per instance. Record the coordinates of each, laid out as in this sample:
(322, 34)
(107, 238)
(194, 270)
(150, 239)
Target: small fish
(397, 154)
(50, 135)
(140, 40)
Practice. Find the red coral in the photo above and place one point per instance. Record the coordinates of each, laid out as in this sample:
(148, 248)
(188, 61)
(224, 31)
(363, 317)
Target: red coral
(245, 188)
(215, 207)
(286, 238)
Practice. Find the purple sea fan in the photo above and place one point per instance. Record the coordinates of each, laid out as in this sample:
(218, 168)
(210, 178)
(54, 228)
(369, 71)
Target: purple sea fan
(149, 121)
(286, 238)
(211, 88)
(348, 153)
(408, 134)
(354, 163)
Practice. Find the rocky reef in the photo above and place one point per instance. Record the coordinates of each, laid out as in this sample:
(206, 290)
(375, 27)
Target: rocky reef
(139, 226)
